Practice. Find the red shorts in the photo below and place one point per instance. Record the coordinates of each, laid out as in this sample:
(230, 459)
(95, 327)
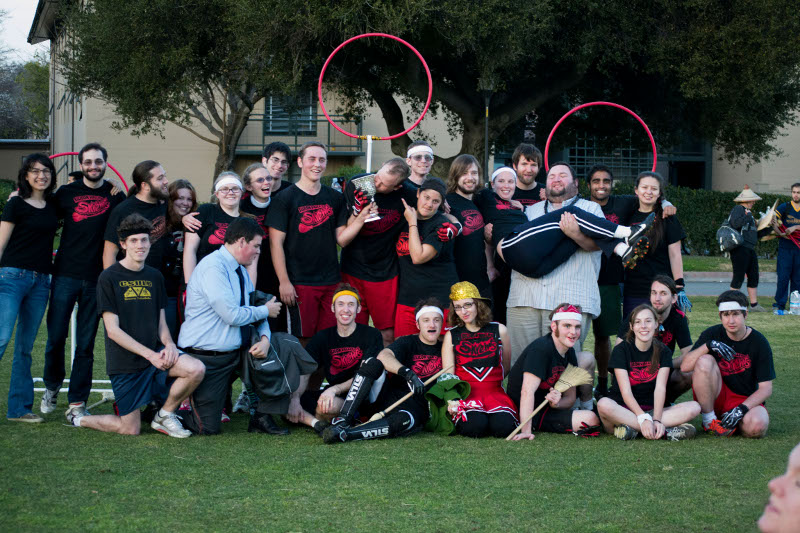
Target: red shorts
(726, 400)
(405, 322)
(378, 300)
(313, 310)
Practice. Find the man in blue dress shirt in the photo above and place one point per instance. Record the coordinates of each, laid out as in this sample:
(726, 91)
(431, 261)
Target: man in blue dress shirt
(215, 314)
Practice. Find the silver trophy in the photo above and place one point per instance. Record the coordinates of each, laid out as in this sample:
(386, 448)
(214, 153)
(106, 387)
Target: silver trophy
(367, 185)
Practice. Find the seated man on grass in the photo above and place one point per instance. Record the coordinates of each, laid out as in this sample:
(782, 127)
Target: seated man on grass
(141, 358)
(733, 372)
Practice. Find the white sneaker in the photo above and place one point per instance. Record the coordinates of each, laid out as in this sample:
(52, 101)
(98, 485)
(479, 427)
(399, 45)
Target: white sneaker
(170, 425)
(48, 404)
(76, 410)
(242, 404)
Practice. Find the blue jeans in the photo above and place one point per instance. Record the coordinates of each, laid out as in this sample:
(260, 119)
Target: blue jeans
(64, 293)
(788, 271)
(23, 299)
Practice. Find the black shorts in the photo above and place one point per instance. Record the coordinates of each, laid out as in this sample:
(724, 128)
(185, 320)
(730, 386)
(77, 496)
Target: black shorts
(744, 261)
(552, 420)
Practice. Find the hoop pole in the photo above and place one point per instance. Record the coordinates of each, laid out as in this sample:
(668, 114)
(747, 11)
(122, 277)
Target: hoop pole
(369, 153)
(589, 104)
(124, 183)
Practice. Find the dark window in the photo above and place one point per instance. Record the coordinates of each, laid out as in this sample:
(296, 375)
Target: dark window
(290, 115)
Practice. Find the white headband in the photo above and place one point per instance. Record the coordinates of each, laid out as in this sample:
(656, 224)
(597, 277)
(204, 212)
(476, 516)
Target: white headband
(731, 306)
(429, 309)
(419, 148)
(567, 316)
(228, 180)
(501, 170)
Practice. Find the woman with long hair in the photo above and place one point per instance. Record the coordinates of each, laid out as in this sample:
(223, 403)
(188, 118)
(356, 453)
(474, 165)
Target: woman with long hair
(635, 403)
(182, 201)
(664, 255)
(481, 353)
(27, 230)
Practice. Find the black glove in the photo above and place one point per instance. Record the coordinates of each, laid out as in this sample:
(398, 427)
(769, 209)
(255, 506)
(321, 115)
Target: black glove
(721, 349)
(414, 383)
(732, 418)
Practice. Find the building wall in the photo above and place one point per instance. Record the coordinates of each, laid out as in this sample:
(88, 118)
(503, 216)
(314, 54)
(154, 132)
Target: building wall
(13, 152)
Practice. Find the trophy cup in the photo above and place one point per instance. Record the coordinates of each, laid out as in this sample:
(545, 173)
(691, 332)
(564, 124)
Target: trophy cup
(367, 185)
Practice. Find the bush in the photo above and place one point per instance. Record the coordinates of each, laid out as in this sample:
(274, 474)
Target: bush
(6, 186)
(701, 213)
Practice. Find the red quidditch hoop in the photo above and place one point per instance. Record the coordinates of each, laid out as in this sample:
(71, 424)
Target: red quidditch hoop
(363, 137)
(610, 104)
(124, 183)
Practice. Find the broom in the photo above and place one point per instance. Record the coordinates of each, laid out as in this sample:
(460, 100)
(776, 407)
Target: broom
(378, 416)
(573, 376)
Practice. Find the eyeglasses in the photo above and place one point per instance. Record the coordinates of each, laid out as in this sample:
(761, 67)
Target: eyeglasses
(225, 191)
(422, 157)
(98, 162)
(468, 305)
(281, 162)
(261, 180)
(40, 171)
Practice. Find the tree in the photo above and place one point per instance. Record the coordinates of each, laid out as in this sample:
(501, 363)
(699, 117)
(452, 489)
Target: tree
(34, 83)
(722, 71)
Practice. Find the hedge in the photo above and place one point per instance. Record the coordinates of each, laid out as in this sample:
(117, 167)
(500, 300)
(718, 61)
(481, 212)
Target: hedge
(701, 212)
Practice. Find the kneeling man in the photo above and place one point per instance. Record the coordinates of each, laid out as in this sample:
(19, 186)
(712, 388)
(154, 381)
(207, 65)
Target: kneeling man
(131, 299)
(733, 372)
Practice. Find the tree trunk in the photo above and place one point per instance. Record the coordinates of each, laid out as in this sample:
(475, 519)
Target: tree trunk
(234, 126)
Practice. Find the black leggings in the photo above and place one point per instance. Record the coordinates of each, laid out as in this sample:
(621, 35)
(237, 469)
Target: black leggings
(744, 261)
(499, 425)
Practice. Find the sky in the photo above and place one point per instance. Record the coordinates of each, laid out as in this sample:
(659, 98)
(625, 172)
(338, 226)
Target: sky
(15, 28)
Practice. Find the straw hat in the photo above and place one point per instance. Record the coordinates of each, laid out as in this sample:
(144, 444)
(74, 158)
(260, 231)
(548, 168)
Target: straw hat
(463, 290)
(747, 195)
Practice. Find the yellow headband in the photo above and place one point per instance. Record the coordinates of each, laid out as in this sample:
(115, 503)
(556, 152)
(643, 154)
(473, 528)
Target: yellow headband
(345, 293)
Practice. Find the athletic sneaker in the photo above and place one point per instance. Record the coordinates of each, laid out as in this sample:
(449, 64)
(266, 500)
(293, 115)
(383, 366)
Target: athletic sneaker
(31, 418)
(242, 404)
(757, 309)
(780, 312)
(170, 425)
(334, 434)
(225, 418)
(76, 410)
(635, 252)
(681, 432)
(716, 428)
(48, 404)
(624, 432)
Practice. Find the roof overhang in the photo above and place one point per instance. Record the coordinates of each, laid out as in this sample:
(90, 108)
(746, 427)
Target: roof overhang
(43, 26)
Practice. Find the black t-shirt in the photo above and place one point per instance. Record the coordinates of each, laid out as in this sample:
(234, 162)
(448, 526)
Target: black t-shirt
(155, 213)
(424, 359)
(310, 224)
(638, 280)
(370, 256)
(618, 210)
(470, 248)
(433, 278)
(626, 356)
(85, 212)
(284, 185)
(501, 214)
(267, 280)
(339, 357)
(742, 220)
(540, 358)
(752, 364)
(212, 233)
(674, 331)
(137, 298)
(30, 246)
(528, 196)
(173, 262)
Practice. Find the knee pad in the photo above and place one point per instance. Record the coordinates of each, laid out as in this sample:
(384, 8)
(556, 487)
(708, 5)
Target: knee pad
(371, 368)
(401, 423)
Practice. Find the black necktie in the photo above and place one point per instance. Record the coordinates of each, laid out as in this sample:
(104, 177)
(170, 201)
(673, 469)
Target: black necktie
(244, 330)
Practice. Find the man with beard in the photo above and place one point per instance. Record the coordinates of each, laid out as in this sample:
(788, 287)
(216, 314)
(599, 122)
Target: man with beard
(148, 196)
(673, 330)
(275, 158)
(733, 372)
(526, 161)
(408, 361)
(85, 206)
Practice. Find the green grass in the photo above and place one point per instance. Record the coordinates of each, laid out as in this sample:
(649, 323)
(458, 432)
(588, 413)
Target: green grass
(701, 263)
(70, 479)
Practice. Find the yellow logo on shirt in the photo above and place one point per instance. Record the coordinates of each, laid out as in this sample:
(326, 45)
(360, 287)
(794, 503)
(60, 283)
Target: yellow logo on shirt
(137, 290)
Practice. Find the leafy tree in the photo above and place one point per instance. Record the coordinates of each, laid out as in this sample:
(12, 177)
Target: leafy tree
(34, 82)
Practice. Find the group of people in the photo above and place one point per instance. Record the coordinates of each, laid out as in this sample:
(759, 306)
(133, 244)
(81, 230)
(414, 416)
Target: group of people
(464, 286)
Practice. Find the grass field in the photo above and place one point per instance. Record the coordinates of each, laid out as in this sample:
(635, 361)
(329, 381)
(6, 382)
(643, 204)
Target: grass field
(702, 263)
(70, 479)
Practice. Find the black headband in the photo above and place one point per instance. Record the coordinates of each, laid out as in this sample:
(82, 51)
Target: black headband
(123, 234)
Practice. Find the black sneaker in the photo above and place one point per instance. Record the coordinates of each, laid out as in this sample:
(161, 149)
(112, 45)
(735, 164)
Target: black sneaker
(681, 432)
(320, 426)
(334, 434)
(624, 432)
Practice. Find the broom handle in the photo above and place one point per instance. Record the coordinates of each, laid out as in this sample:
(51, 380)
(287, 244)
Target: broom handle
(378, 416)
(519, 427)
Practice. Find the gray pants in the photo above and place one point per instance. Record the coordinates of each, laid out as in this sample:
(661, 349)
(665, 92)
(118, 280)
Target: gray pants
(209, 397)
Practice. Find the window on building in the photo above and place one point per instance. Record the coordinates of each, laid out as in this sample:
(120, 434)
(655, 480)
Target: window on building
(290, 115)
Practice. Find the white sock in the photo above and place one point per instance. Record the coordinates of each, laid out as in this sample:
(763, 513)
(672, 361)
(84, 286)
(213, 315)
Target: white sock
(620, 249)
(587, 405)
(708, 418)
(622, 231)
(162, 413)
(77, 421)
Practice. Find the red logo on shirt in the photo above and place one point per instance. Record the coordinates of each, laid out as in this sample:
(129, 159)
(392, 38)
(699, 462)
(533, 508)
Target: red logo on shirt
(425, 366)
(402, 244)
(159, 228)
(740, 363)
(344, 358)
(503, 204)
(218, 237)
(527, 201)
(611, 217)
(475, 346)
(312, 216)
(88, 206)
(389, 219)
(640, 372)
(473, 221)
(550, 382)
(260, 219)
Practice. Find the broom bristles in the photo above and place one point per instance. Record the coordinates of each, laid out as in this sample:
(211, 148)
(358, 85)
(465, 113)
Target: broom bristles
(573, 376)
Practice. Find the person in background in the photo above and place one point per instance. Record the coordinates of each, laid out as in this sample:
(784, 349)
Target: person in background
(743, 257)
(787, 216)
(182, 201)
(275, 158)
(526, 161)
